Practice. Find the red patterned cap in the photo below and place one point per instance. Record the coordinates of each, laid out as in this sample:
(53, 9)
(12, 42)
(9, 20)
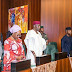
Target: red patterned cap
(36, 22)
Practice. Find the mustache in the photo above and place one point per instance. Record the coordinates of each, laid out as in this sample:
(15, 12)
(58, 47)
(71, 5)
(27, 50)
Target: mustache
(41, 31)
(69, 34)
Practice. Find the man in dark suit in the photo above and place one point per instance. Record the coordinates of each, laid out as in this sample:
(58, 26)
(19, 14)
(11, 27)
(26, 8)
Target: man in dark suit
(66, 41)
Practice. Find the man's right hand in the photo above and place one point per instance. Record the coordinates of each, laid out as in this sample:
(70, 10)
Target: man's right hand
(34, 55)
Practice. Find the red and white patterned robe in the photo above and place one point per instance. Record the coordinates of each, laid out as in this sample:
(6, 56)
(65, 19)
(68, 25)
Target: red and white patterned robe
(12, 49)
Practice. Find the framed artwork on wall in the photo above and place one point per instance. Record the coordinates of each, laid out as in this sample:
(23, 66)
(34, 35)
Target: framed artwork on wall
(18, 16)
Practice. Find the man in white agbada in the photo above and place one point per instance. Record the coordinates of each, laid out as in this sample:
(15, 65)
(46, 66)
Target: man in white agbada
(35, 43)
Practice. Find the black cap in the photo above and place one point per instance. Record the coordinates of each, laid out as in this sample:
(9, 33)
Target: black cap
(68, 28)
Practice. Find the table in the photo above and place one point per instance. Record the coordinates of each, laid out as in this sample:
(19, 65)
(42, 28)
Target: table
(62, 65)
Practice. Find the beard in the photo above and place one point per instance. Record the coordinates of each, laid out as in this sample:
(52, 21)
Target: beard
(38, 29)
(69, 34)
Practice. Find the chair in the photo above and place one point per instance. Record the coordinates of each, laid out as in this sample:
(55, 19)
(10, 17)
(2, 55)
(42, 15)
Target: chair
(54, 43)
(51, 49)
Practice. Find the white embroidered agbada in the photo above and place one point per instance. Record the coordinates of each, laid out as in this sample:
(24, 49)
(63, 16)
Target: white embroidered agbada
(36, 43)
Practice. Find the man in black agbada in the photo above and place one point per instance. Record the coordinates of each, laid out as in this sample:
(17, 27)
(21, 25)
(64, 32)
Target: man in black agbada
(66, 41)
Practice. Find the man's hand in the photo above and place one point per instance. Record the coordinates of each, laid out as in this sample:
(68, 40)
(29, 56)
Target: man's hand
(34, 55)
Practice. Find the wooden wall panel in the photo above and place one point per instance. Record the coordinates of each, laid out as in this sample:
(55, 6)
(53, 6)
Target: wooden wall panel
(0, 15)
(55, 17)
(4, 17)
(0, 18)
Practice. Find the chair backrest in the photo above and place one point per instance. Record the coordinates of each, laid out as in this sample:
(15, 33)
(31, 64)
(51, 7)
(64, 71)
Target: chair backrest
(53, 43)
(51, 49)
